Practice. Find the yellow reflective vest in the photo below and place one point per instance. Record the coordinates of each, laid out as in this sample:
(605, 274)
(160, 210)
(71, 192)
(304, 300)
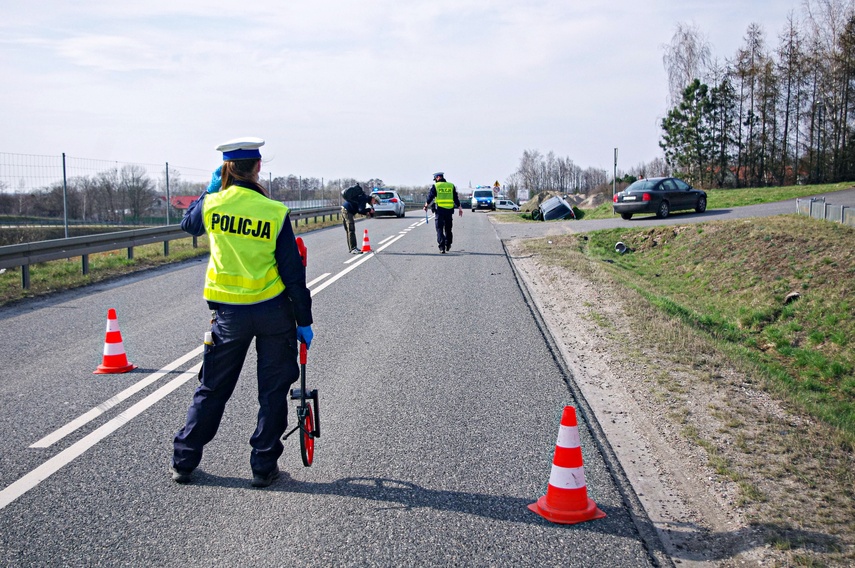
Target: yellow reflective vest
(242, 227)
(444, 194)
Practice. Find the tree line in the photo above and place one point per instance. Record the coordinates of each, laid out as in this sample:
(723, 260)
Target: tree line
(131, 195)
(549, 173)
(777, 114)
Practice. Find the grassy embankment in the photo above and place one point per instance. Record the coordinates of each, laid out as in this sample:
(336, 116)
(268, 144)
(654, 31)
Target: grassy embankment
(726, 283)
(53, 276)
(730, 279)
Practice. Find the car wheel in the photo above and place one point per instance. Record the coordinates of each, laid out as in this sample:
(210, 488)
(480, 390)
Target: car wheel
(702, 204)
(473, 211)
(626, 216)
(663, 210)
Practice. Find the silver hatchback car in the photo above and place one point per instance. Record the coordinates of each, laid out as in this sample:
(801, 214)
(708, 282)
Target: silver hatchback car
(388, 203)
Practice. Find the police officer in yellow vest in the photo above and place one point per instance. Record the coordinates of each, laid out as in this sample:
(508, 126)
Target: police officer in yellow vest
(442, 198)
(255, 286)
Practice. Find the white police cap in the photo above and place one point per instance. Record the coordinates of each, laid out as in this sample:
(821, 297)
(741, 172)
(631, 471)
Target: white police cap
(241, 149)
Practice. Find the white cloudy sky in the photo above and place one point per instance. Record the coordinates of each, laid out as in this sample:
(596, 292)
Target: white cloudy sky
(374, 88)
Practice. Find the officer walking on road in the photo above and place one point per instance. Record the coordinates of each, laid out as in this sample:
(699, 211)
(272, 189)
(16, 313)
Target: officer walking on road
(256, 286)
(355, 201)
(442, 199)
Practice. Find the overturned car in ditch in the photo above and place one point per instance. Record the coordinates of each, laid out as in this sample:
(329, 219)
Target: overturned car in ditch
(554, 208)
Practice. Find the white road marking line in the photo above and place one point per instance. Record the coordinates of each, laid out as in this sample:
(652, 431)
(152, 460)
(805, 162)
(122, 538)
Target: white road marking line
(386, 239)
(360, 259)
(77, 449)
(316, 280)
(66, 456)
(87, 417)
(389, 243)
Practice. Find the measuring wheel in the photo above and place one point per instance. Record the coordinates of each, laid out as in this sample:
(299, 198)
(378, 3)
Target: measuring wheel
(307, 436)
(308, 415)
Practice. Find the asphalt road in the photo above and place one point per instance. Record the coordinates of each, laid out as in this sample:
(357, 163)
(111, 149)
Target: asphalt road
(439, 420)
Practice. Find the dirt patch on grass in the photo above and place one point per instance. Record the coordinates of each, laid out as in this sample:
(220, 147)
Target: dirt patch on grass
(729, 475)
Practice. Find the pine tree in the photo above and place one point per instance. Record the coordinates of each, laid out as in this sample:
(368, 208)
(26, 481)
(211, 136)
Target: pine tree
(687, 139)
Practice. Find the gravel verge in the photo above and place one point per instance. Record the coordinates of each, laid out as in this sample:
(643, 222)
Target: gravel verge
(728, 475)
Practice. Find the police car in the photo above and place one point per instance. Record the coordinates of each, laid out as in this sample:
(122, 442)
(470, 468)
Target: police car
(483, 199)
(388, 203)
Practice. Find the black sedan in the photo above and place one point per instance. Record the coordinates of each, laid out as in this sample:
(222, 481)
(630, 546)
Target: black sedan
(660, 196)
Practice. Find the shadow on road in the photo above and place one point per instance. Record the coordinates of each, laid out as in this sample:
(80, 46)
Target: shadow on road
(697, 543)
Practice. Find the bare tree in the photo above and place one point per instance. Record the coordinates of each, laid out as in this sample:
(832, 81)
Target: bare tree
(686, 58)
(138, 191)
(790, 68)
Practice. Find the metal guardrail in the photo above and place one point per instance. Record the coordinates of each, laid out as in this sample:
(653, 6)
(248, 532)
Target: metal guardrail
(26, 254)
(818, 208)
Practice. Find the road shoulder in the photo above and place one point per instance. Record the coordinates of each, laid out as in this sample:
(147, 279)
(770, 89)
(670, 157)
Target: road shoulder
(645, 406)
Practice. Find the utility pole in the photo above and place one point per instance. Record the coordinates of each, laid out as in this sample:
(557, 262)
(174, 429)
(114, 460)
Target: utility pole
(614, 176)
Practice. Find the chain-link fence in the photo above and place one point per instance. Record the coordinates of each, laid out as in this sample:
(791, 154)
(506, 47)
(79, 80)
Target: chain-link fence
(57, 190)
(48, 190)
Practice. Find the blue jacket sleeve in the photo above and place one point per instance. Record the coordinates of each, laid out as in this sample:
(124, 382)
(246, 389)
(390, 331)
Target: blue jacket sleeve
(431, 195)
(293, 274)
(364, 201)
(193, 221)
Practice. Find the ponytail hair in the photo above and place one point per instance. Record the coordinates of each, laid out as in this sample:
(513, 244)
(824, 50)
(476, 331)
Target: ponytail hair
(243, 171)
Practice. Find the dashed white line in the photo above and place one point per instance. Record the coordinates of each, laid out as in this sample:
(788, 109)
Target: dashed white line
(66, 456)
(87, 417)
(316, 280)
(77, 449)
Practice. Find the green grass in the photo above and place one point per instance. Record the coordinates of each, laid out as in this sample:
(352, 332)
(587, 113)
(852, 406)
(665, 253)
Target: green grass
(730, 279)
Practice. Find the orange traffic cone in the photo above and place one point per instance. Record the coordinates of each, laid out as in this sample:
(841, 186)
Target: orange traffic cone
(566, 500)
(366, 246)
(115, 360)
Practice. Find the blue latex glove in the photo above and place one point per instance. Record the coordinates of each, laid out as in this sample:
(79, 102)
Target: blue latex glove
(305, 335)
(216, 181)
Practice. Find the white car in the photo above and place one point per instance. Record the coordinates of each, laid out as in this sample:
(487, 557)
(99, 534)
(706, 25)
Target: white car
(507, 204)
(388, 203)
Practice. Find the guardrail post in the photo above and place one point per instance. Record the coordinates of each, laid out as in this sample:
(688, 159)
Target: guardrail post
(85, 261)
(25, 277)
(165, 248)
(130, 253)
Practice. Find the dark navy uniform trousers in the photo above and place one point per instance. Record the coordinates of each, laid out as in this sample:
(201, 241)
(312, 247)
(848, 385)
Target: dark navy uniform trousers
(443, 221)
(272, 325)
